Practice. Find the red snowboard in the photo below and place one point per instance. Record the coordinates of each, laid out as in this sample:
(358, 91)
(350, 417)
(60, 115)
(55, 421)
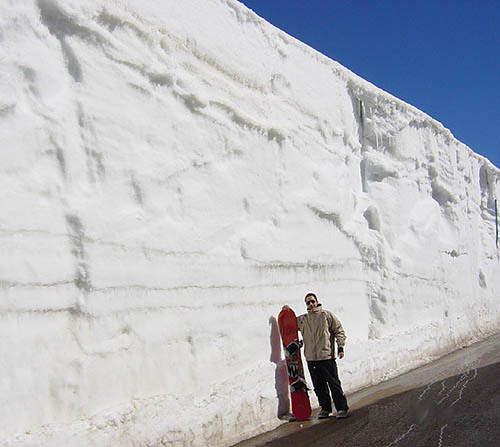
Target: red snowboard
(287, 321)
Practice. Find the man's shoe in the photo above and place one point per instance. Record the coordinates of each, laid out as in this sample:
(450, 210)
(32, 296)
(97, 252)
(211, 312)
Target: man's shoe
(323, 414)
(341, 414)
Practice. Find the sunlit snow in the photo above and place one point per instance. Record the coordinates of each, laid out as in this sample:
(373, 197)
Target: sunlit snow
(172, 173)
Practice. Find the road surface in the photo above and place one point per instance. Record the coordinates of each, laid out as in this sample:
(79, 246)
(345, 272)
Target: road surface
(454, 401)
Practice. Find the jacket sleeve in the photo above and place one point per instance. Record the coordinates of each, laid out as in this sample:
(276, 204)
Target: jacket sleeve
(336, 329)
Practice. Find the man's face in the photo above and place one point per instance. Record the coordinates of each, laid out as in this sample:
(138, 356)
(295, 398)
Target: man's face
(311, 302)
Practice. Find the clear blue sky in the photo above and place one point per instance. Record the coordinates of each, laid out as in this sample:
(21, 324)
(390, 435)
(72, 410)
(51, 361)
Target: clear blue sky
(442, 56)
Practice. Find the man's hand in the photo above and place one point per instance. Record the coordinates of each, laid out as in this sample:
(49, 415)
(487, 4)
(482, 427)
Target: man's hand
(340, 352)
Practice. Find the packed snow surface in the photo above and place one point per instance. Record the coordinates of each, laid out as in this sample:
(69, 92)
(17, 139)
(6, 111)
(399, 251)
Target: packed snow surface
(172, 173)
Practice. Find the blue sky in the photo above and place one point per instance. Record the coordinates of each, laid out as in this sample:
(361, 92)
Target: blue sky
(442, 56)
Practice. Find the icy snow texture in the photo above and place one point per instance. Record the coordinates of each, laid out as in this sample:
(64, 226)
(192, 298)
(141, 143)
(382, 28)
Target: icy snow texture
(172, 173)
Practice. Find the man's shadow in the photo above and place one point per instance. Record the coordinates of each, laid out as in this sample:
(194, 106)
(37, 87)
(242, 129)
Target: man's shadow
(280, 374)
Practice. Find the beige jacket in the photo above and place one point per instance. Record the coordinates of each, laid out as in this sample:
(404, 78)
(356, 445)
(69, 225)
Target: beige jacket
(319, 328)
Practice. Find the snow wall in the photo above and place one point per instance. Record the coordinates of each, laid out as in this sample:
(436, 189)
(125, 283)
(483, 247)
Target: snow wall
(172, 173)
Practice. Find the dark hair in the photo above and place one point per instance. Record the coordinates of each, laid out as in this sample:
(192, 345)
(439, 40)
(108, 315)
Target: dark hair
(311, 294)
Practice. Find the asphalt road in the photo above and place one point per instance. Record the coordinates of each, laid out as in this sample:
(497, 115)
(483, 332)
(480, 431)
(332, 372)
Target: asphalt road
(426, 407)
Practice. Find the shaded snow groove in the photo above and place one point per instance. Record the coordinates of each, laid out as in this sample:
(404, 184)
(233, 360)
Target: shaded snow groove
(74, 310)
(277, 264)
(238, 119)
(194, 103)
(100, 242)
(6, 109)
(77, 236)
(58, 154)
(61, 310)
(142, 309)
(190, 100)
(155, 78)
(63, 26)
(197, 106)
(111, 22)
(370, 256)
(215, 287)
(95, 164)
(9, 284)
(14, 284)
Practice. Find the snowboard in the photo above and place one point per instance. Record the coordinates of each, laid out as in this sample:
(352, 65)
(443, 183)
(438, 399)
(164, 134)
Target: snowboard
(287, 321)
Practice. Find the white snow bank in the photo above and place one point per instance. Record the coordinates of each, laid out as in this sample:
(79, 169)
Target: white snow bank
(172, 173)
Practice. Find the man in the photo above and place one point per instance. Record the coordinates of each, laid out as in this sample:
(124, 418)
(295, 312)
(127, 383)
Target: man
(319, 328)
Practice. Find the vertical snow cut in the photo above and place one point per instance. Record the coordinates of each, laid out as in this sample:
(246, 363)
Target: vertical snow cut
(171, 174)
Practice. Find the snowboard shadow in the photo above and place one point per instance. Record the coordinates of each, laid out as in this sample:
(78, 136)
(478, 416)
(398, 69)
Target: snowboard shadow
(280, 373)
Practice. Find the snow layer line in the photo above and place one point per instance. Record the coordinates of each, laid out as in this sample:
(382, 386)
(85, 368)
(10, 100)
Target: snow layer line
(171, 174)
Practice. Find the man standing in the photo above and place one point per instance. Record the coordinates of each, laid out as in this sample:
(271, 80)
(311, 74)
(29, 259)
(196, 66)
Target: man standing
(319, 329)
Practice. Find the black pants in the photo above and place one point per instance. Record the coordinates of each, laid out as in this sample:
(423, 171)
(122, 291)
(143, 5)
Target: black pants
(324, 375)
